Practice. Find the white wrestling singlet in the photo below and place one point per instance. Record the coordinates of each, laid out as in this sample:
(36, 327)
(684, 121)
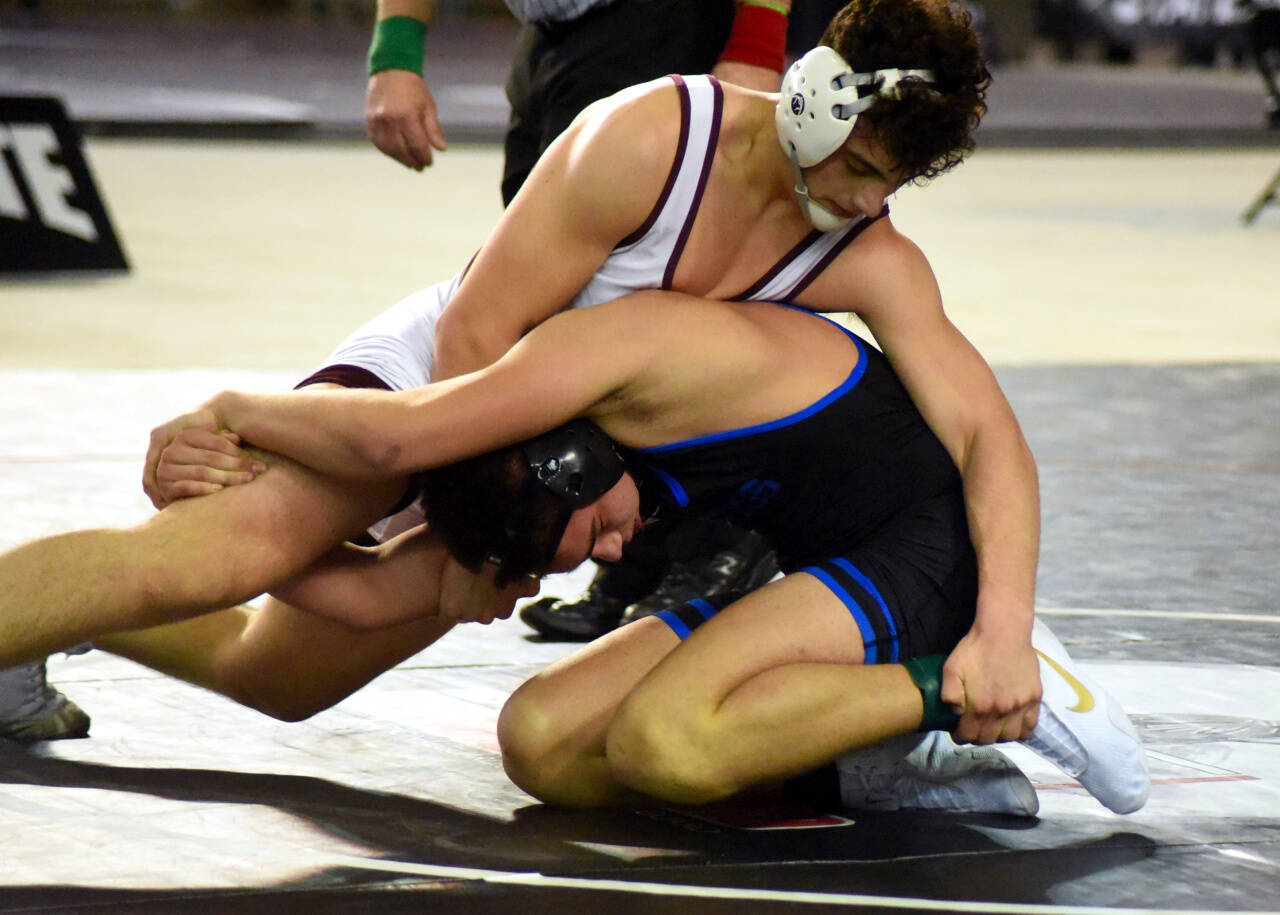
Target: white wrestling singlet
(398, 346)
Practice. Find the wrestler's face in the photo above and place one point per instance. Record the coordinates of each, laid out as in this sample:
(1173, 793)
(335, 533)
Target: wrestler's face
(601, 529)
(857, 178)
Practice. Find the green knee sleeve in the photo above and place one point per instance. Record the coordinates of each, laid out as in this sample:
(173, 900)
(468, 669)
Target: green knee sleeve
(926, 673)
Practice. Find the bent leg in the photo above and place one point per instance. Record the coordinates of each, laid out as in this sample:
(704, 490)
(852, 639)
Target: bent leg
(195, 556)
(772, 686)
(787, 678)
(552, 729)
(279, 660)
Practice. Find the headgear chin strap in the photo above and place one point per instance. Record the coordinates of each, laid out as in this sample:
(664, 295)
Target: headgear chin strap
(821, 98)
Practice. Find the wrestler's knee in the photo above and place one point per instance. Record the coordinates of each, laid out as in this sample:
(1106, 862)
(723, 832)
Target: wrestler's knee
(528, 737)
(223, 549)
(543, 752)
(255, 681)
(277, 700)
(668, 756)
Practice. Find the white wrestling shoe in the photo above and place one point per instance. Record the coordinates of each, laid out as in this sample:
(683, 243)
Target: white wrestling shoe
(1084, 731)
(930, 772)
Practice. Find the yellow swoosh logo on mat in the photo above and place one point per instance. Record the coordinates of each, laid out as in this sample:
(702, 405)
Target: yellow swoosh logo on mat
(1085, 698)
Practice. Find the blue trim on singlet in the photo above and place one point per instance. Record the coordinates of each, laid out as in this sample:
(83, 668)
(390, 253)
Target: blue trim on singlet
(702, 607)
(871, 589)
(855, 375)
(677, 491)
(677, 625)
(871, 655)
(671, 616)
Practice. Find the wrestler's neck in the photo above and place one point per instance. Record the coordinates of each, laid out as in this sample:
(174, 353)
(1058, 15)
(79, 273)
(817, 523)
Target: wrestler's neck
(749, 146)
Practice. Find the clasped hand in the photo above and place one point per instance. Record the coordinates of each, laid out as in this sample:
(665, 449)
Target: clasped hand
(993, 683)
(193, 455)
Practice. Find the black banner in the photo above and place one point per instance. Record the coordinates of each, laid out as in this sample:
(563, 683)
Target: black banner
(1145, 21)
(51, 217)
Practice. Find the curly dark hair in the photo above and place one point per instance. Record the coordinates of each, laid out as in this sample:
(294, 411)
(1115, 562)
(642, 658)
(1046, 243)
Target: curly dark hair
(928, 129)
(489, 508)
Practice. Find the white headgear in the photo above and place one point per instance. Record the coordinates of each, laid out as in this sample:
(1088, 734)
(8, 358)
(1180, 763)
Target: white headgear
(817, 108)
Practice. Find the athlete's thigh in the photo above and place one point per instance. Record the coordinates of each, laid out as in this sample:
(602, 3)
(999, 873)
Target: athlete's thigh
(788, 621)
(276, 658)
(579, 693)
(301, 663)
(245, 539)
(913, 587)
(794, 620)
(908, 591)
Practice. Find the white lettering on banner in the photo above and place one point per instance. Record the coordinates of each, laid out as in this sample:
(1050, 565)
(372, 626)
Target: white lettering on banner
(11, 204)
(1200, 13)
(33, 146)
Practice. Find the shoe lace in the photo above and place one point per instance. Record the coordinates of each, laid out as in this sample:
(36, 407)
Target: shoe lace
(33, 689)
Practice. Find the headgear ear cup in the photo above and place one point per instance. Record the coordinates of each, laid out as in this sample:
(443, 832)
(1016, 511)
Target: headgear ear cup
(817, 110)
(818, 105)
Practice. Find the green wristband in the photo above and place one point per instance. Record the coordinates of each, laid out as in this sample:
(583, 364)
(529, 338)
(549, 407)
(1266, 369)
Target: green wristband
(397, 45)
(926, 673)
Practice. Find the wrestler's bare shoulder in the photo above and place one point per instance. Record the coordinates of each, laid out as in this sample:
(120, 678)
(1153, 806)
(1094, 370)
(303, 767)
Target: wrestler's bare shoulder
(879, 262)
(638, 123)
(607, 169)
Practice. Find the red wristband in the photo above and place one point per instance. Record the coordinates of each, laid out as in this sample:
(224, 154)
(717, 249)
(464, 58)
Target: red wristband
(759, 38)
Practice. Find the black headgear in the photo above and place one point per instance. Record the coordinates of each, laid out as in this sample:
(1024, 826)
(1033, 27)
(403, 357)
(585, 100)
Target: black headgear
(576, 461)
(574, 464)
(510, 507)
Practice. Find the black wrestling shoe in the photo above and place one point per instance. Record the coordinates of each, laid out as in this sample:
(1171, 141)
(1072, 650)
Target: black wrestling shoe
(744, 565)
(579, 621)
(615, 585)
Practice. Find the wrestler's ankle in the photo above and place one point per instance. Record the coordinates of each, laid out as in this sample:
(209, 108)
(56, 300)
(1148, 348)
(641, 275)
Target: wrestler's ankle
(926, 674)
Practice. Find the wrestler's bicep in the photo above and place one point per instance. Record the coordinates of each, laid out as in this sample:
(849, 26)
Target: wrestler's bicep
(593, 187)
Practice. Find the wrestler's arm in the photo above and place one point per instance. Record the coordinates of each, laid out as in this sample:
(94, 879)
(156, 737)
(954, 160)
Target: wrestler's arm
(401, 580)
(593, 186)
(755, 52)
(400, 112)
(992, 674)
(372, 434)
(543, 251)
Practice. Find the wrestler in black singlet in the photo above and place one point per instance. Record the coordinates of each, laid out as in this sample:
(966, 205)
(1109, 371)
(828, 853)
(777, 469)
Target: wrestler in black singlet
(855, 490)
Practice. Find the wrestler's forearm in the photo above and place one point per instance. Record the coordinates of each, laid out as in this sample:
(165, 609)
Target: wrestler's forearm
(383, 435)
(415, 9)
(991, 677)
(372, 434)
(1003, 502)
(370, 589)
(344, 433)
(959, 397)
